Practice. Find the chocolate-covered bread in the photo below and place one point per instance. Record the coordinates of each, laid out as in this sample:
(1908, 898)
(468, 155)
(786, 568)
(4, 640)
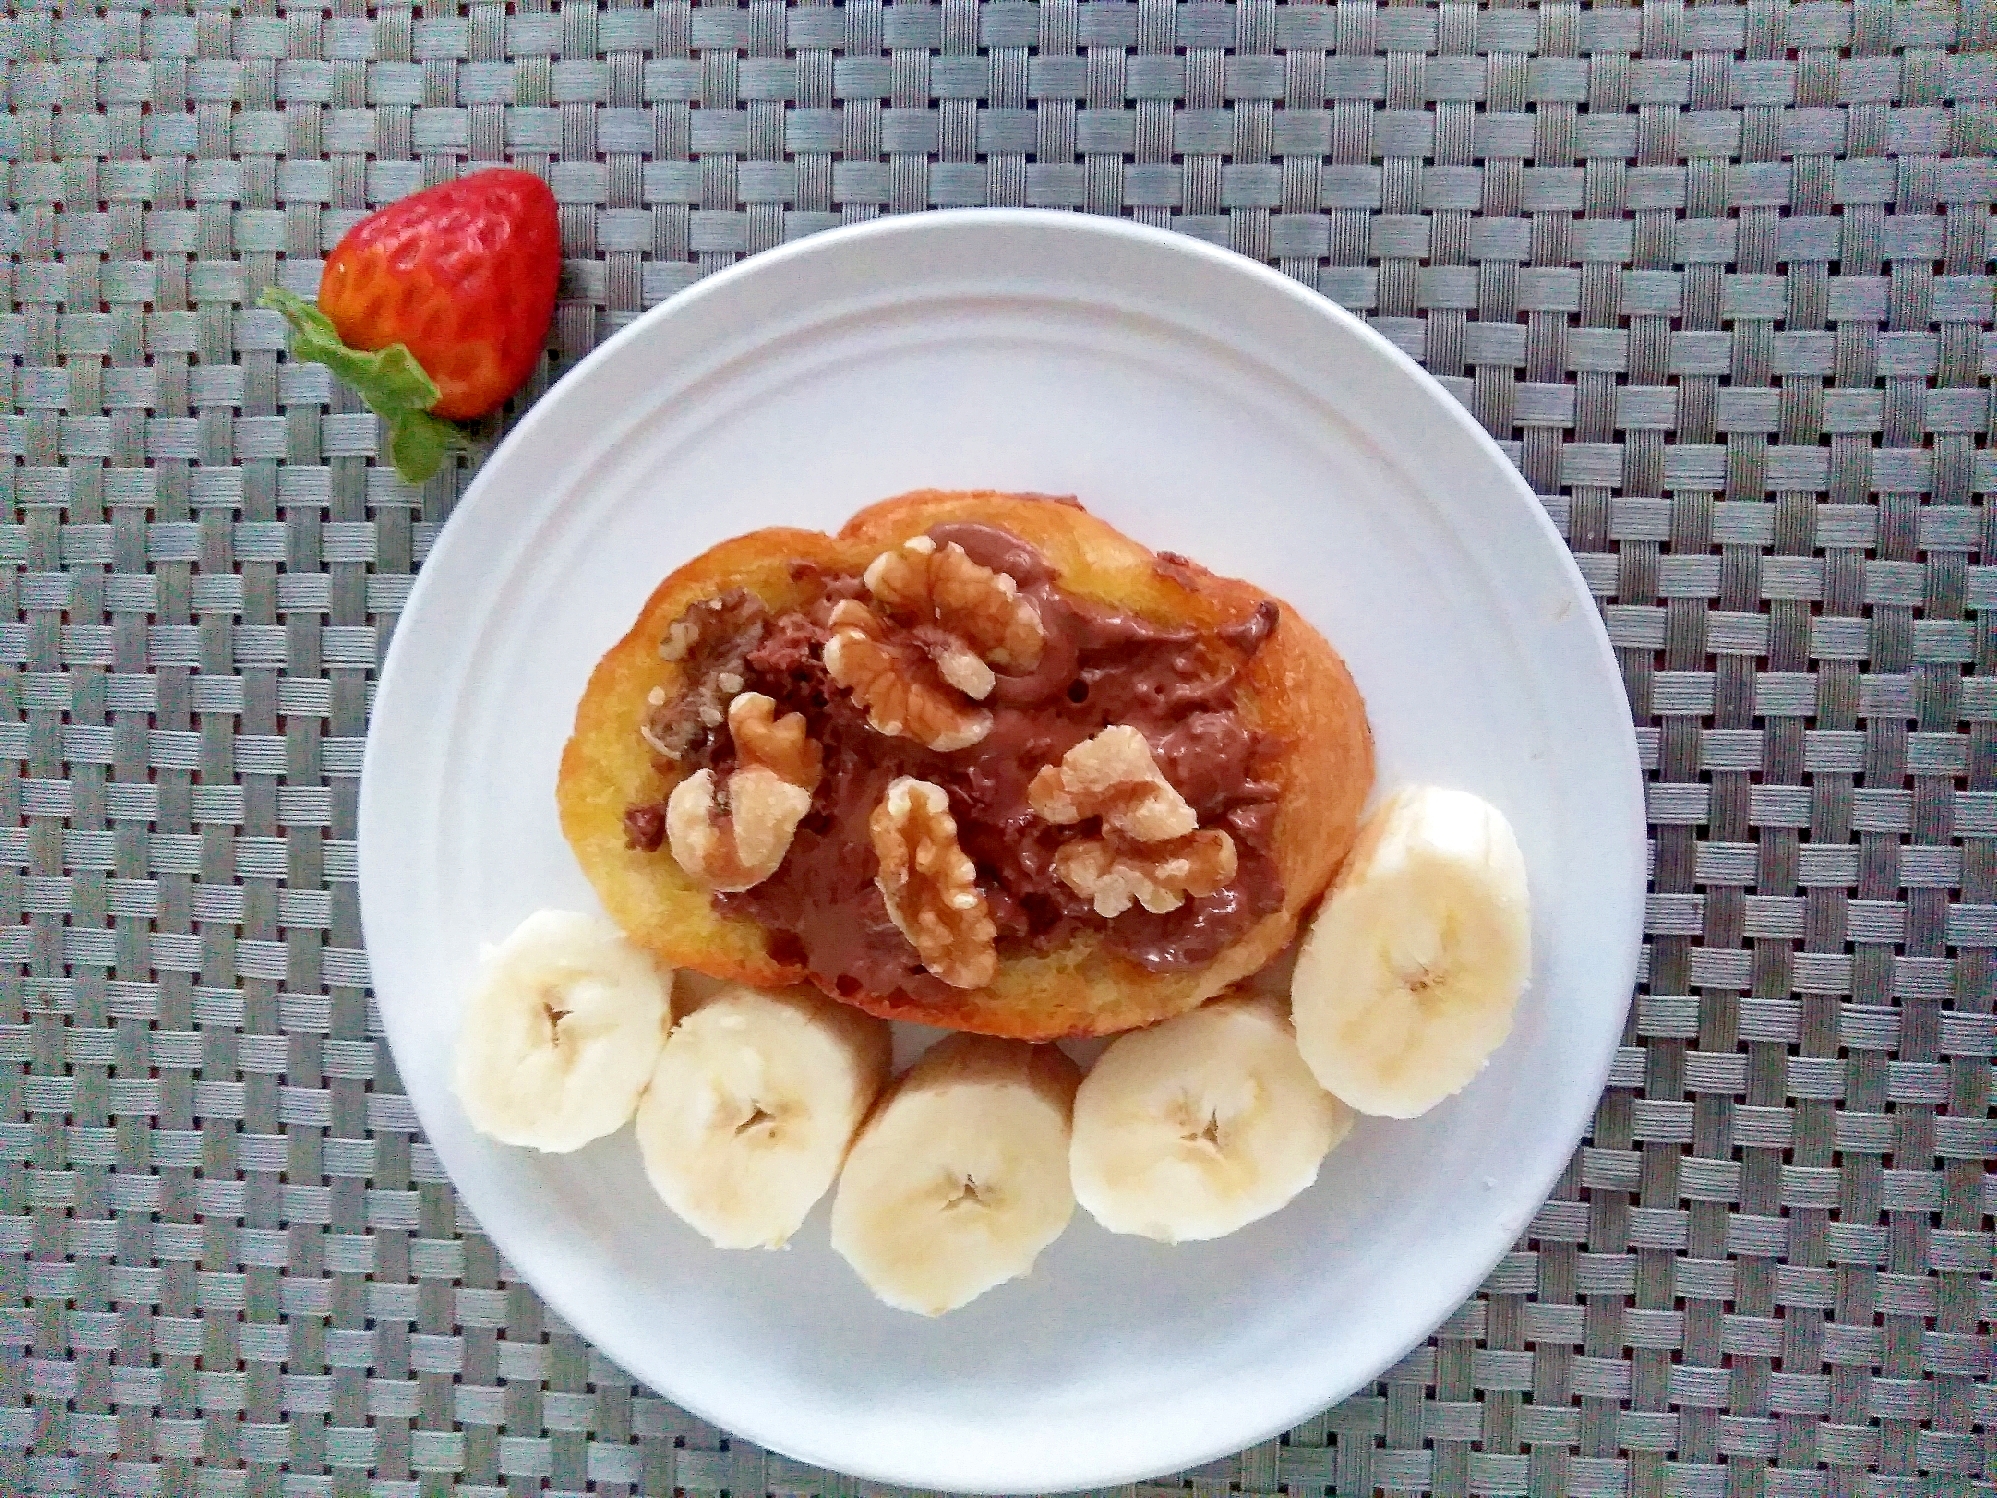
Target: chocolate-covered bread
(978, 761)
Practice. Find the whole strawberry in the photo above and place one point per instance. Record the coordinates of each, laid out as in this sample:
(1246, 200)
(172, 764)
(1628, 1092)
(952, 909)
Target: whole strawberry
(435, 308)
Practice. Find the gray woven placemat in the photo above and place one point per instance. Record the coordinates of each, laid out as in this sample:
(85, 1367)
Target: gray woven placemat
(1717, 275)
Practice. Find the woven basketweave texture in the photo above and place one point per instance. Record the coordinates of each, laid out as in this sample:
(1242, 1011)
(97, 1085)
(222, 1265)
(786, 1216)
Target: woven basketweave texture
(1717, 276)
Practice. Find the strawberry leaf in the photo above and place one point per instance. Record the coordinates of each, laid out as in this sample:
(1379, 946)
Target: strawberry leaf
(393, 384)
(418, 443)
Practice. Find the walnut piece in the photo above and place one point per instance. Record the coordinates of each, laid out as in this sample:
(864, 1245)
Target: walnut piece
(939, 623)
(1112, 871)
(896, 682)
(1151, 851)
(710, 643)
(1112, 776)
(956, 662)
(765, 741)
(735, 836)
(924, 583)
(930, 885)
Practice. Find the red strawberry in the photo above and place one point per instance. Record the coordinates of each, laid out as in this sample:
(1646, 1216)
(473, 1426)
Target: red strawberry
(436, 304)
(462, 274)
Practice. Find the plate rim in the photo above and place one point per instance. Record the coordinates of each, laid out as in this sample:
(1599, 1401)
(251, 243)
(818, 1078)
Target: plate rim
(450, 539)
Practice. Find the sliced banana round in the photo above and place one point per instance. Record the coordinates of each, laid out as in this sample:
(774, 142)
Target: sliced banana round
(1409, 976)
(1202, 1125)
(961, 1176)
(560, 1032)
(751, 1107)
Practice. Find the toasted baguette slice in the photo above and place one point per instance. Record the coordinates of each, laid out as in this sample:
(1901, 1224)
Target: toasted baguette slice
(1297, 691)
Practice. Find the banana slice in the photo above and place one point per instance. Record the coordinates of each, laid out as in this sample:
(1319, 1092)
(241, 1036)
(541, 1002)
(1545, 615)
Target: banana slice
(560, 1032)
(961, 1177)
(751, 1107)
(1411, 972)
(1201, 1125)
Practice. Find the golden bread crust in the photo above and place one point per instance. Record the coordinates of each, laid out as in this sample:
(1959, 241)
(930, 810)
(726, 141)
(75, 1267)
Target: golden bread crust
(1297, 691)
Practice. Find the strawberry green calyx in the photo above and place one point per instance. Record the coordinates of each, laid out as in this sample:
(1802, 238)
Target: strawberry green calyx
(393, 384)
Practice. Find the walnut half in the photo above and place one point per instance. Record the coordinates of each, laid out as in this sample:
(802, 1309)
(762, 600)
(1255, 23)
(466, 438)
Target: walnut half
(896, 681)
(733, 837)
(1112, 776)
(930, 886)
(1113, 871)
(940, 585)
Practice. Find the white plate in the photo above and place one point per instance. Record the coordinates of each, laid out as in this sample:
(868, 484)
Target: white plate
(1204, 404)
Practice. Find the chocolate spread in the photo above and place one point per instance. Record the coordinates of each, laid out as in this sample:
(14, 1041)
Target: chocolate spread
(1099, 666)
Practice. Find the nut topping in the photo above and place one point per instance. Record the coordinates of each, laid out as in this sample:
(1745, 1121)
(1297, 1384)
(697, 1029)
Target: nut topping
(941, 623)
(735, 836)
(956, 662)
(710, 643)
(904, 692)
(1113, 776)
(930, 584)
(930, 886)
(1113, 871)
(765, 741)
(1151, 851)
